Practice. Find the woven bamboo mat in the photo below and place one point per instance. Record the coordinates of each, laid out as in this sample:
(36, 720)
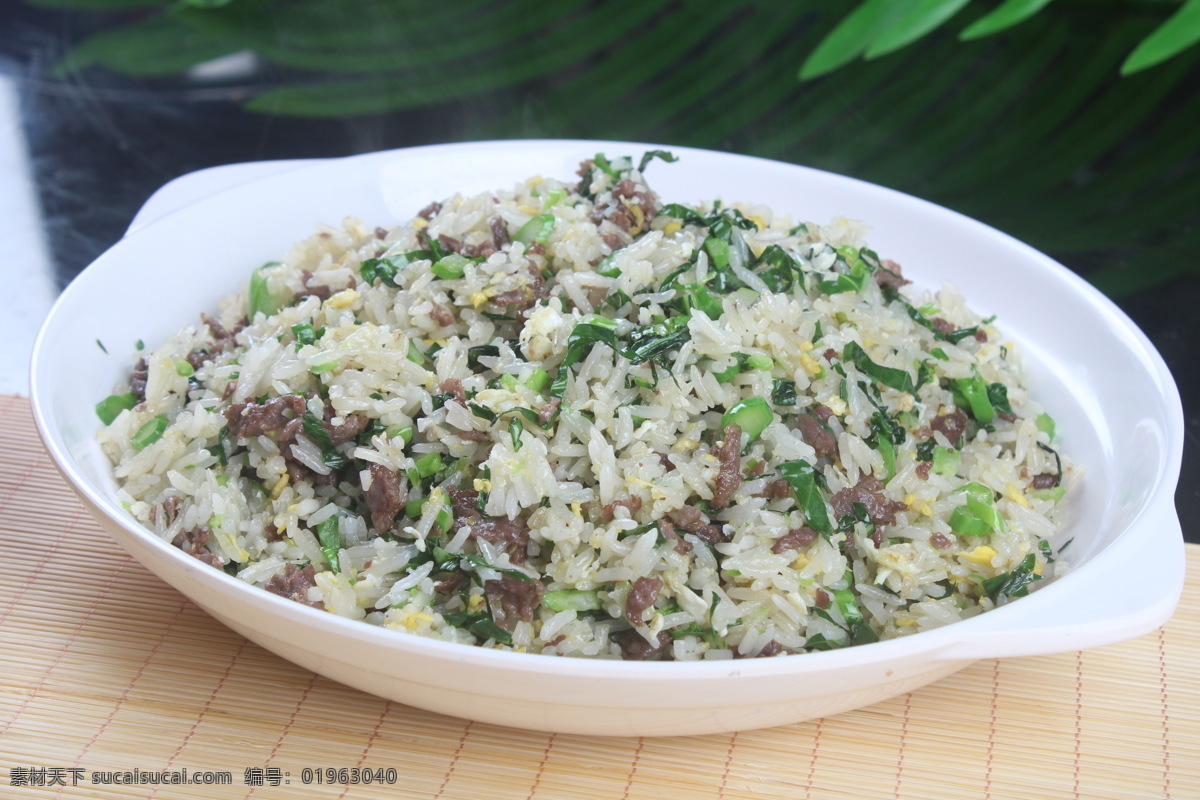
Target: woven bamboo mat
(105, 669)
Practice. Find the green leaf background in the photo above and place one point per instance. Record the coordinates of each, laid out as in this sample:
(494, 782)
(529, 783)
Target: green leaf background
(1070, 124)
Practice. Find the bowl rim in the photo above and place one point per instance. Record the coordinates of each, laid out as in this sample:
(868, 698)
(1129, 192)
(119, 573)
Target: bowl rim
(927, 643)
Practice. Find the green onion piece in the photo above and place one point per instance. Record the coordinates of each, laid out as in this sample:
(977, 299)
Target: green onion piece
(800, 476)
(1045, 424)
(384, 269)
(965, 523)
(260, 297)
(140, 345)
(508, 381)
(222, 479)
(405, 433)
(450, 267)
(572, 599)
(975, 392)
(1053, 494)
(110, 407)
(412, 509)
(319, 369)
(888, 451)
(314, 428)
(703, 300)
(444, 520)
(987, 512)
(429, 464)
(515, 429)
(977, 490)
(184, 369)
(939, 354)
(331, 541)
(945, 461)
(537, 229)
(149, 433)
(538, 381)
(726, 375)
(606, 268)
(554, 197)
(752, 415)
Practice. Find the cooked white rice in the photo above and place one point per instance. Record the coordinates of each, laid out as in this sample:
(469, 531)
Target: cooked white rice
(599, 528)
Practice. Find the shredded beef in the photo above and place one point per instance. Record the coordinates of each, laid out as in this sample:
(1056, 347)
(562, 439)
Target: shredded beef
(526, 296)
(818, 436)
(222, 338)
(474, 436)
(630, 195)
(380, 233)
(1046, 480)
(317, 290)
(192, 542)
(952, 425)
(823, 598)
(824, 412)
(440, 315)
(454, 386)
(512, 598)
(635, 648)
(499, 232)
(795, 539)
(942, 326)
(171, 508)
(253, 419)
(777, 489)
(352, 425)
(867, 491)
(729, 478)
(923, 470)
(890, 275)
(694, 521)
(756, 470)
(293, 583)
(450, 585)
(137, 381)
(197, 358)
(667, 529)
(385, 498)
(939, 541)
(608, 513)
(980, 335)
(642, 595)
(512, 534)
(430, 211)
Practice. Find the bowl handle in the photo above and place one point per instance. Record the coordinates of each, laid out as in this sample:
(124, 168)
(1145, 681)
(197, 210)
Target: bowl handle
(1129, 589)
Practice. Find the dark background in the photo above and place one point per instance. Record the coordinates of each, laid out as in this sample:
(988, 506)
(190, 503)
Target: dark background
(1032, 131)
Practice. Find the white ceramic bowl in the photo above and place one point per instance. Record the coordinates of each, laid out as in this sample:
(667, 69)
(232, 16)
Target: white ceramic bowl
(1117, 409)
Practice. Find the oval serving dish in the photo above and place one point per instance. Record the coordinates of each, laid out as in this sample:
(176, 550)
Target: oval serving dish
(1117, 407)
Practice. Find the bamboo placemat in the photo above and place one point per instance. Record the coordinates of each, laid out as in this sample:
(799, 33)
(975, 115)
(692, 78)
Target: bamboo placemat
(104, 668)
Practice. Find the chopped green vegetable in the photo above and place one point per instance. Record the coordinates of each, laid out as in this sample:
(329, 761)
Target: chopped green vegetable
(320, 369)
(260, 297)
(429, 464)
(896, 378)
(1014, 583)
(888, 451)
(752, 415)
(538, 229)
(800, 476)
(553, 198)
(100, 344)
(384, 269)
(314, 428)
(444, 519)
(539, 380)
(304, 333)
(654, 342)
(945, 461)
(110, 407)
(451, 267)
(150, 432)
(783, 392)
(331, 541)
(405, 433)
(1045, 424)
(1053, 494)
(515, 429)
(975, 392)
(184, 369)
(573, 600)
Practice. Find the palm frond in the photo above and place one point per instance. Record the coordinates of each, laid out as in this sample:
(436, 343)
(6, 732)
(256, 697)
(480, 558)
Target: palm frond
(1175, 35)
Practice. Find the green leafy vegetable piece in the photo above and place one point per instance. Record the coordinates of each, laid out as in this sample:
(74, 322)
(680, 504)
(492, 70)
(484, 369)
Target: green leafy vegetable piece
(428, 465)
(184, 369)
(110, 407)
(304, 333)
(1014, 583)
(572, 599)
(538, 380)
(384, 269)
(783, 392)
(515, 429)
(314, 429)
(480, 624)
(150, 432)
(1002, 17)
(896, 378)
(998, 396)
(654, 342)
(650, 155)
(321, 369)
(945, 461)
(801, 477)
(1053, 494)
(1174, 36)
(537, 229)
(752, 415)
(888, 451)
(331, 541)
